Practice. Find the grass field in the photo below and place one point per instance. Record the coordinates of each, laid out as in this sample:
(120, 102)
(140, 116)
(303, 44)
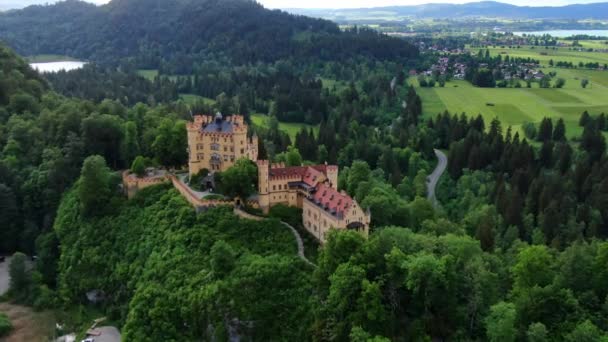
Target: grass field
(544, 55)
(329, 83)
(192, 99)
(49, 58)
(149, 74)
(290, 128)
(516, 106)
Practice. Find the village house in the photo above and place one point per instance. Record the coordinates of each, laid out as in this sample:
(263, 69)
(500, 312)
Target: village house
(215, 142)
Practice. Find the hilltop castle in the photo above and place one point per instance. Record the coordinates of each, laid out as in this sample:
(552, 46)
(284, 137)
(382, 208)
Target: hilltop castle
(215, 142)
(314, 189)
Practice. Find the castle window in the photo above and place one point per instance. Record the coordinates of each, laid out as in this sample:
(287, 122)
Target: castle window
(231, 148)
(200, 156)
(242, 150)
(199, 146)
(225, 149)
(225, 157)
(215, 147)
(274, 187)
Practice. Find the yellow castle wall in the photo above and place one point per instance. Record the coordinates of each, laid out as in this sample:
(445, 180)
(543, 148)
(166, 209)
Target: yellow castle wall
(225, 147)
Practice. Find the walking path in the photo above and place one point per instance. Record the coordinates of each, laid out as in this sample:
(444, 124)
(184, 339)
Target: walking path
(433, 178)
(295, 233)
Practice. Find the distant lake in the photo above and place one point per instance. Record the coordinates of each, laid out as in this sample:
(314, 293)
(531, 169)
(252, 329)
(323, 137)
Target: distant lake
(57, 66)
(566, 33)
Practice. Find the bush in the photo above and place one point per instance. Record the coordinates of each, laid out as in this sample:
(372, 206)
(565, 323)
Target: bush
(196, 180)
(139, 166)
(214, 197)
(20, 277)
(5, 325)
(291, 215)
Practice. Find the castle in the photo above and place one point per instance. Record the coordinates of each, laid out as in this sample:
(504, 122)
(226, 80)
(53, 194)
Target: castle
(314, 189)
(215, 142)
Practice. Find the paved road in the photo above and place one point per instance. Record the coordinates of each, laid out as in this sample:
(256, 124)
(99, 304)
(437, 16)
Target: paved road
(108, 334)
(4, 278)
(433, 178)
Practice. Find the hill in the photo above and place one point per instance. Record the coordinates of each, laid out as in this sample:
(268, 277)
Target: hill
(151, 33)
(455, 11)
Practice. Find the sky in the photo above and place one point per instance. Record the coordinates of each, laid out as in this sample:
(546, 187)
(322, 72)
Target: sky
(343, 3)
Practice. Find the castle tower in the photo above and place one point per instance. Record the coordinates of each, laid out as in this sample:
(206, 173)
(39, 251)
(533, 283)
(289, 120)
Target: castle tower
(263, 184)
(332, 175)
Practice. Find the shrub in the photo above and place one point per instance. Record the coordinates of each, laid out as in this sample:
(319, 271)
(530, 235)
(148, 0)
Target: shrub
(291, 215)
(5, 325)
(214, 197)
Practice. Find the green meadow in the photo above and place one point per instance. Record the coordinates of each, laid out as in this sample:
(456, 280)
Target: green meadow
(193, 99)
(288, 127)
(49, 58)
(515, 106)
(149, 74)
(545, 55)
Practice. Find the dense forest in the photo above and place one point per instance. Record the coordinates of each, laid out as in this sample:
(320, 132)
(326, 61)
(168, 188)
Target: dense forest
(516, 251)
(177, 34)
(44, 138)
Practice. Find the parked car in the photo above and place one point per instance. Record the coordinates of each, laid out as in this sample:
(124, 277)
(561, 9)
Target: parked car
(90, 339)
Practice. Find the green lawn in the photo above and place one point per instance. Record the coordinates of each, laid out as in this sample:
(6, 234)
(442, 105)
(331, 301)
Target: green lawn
(515, 106)
(192, 99)
(288, 127)
(49, 58)
(331, 83)
(149, 74)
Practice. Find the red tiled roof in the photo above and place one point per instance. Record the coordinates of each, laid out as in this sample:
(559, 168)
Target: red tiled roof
(331, 199)
(307, 174)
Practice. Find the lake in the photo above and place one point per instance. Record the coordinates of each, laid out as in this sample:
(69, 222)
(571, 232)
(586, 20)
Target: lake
(57, 66)
(566, 33)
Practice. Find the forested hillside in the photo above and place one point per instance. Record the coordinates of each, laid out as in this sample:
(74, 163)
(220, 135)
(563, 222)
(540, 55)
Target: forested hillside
(44, 138)
(170, 274)
(184, 32)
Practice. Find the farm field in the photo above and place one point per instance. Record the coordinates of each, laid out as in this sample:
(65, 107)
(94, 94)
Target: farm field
(515, 106)
(288, 127)
(545, 55)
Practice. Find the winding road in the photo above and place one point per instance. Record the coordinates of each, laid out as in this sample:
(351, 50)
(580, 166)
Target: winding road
(433, 178)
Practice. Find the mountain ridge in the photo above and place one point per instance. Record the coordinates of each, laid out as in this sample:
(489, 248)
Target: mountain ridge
(184, 31)
(496, 9)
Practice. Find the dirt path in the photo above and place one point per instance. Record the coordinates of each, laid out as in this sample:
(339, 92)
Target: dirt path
(28, 325)
(295, 233)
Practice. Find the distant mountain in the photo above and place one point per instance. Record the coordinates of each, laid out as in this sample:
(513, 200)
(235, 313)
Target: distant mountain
(152, 33)
(16, 4)
(490, 9)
